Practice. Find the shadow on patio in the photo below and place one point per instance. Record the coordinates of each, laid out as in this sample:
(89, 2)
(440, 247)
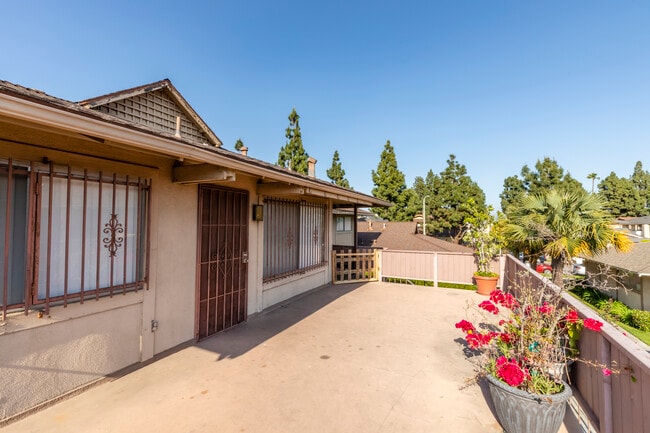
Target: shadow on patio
(372, 357)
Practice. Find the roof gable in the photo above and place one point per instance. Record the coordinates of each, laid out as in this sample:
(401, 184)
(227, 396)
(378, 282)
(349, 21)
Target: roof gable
(157, 106)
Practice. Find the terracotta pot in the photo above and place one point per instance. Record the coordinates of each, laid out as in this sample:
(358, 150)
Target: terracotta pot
(522, 412)
(485, 285)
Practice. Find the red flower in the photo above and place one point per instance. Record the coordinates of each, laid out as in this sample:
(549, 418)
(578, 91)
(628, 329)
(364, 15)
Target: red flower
(489, 307)
(506, 338)
(572, 316)
(607, 372)
(504, 299)
(510, 372)
(476, 340)
(593, 324)
(465, 326)
(545, 309)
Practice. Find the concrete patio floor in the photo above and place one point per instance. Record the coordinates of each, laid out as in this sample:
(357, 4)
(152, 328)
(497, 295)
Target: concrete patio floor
(370, 357)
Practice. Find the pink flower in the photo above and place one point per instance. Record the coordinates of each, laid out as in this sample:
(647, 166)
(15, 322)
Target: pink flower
(489, 307)
(465, 326)
(593, 324)
(572, 316)
(607, 372)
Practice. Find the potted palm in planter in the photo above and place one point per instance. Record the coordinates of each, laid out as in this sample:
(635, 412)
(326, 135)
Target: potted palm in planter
(483, 234)
(518, 353)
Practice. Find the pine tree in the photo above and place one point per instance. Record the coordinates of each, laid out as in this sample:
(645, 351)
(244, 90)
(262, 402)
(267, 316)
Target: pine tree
(620, 196)
(641, 181)
(453, 190)
(292, 155)
(336, 172)
(390, 185)
(239, 144)
(547, 176)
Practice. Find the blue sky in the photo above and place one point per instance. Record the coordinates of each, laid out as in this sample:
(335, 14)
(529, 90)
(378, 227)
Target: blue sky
(499, 84)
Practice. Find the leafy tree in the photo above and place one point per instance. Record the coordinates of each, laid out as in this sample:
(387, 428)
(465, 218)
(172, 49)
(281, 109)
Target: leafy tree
(451, 191)
(336, 172)
(548, 175)
(620, 196)
(390, 185)
(484, 235)
(239, 144)
(592, 177)
(562, 225)
(292, 155)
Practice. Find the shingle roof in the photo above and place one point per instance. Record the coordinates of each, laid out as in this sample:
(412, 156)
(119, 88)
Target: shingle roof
(637, 260)
(402, 236)
(43, 99)
(634, 221)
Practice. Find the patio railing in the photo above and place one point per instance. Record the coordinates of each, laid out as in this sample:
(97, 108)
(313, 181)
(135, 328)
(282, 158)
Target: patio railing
(615, 404)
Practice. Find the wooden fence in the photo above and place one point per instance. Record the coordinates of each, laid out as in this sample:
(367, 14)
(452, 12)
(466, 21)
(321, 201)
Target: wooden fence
(436, 267)
(353, 266)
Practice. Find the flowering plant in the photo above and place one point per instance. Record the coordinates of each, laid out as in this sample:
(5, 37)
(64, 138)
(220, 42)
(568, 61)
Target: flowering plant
(529, 341)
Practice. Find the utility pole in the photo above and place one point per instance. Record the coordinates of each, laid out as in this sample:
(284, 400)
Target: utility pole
(424, 215)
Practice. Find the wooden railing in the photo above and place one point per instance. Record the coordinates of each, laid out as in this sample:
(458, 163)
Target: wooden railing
(353, 266)
(618, 403)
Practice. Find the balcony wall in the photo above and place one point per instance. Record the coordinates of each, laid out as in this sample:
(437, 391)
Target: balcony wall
(617, 403)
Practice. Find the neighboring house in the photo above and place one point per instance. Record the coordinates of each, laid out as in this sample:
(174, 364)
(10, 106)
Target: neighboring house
(403, 236)
(127, 230)
(637, 229)
(630, 270)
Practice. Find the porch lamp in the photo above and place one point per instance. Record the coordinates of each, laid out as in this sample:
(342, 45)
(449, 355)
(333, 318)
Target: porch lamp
(424, 215)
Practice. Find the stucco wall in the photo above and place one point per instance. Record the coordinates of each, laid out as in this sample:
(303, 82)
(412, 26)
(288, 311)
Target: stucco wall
(174, 279)
(284, 289)
(54, 355)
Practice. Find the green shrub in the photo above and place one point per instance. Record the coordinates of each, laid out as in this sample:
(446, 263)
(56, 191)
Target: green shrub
(620, 311)
(640, 319)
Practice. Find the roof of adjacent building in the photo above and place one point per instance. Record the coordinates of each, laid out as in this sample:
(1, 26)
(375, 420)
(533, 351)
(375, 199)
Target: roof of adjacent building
(634, 221)
(402, 236)
(198, 146)
(637, 260)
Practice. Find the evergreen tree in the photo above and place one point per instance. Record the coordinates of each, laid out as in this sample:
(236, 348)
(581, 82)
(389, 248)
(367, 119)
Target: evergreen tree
(620, 196)
(452, 190)
(547, 176)
(641, 181)
(336, 172)
(292, 155)
(390, 185)
(239, 144)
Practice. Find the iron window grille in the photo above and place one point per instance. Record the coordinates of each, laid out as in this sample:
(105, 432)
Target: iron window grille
(294, 237)
(70, 235)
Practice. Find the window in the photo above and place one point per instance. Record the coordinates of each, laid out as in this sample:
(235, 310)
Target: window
(343, 223)
(85, 233)
(294, 237)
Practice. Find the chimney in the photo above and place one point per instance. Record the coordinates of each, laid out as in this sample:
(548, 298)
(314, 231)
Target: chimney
(311, 170)
(244, 150)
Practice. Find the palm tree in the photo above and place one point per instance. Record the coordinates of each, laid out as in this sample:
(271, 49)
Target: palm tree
(593, 177)
(563, 225)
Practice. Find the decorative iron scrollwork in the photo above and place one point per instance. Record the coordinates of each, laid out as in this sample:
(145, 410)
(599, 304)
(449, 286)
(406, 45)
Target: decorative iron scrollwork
(289, 237)
(113, 228)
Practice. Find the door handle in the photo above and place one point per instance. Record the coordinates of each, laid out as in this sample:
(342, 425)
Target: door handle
(244, 257)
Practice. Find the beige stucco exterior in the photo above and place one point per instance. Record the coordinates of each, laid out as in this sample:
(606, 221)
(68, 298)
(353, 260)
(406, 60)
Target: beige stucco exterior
(44, 358)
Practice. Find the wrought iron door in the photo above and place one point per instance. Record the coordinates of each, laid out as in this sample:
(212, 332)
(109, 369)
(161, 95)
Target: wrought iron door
(223, 258)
